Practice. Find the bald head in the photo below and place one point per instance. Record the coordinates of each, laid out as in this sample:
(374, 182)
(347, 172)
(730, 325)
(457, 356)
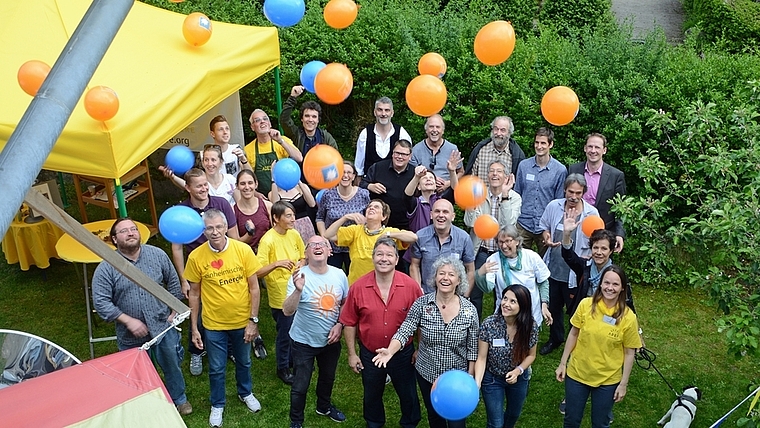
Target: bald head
(442, 214)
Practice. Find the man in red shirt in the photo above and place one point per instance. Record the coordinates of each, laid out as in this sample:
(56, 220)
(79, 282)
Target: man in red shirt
(376, 305)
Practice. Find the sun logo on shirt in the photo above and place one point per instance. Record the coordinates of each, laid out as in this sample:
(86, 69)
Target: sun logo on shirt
(325, 300)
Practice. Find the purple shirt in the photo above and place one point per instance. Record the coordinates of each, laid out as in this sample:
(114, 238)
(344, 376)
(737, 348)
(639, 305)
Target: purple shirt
(332, 207)
(213, 202)
(592, 184)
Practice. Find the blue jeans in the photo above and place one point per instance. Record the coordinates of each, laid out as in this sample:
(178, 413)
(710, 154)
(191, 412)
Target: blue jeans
(434, 419)
(282, 324)
(602, 399)
(495, 390)
(402, 374)
(216, 344)
(303, 364)
(169, 354)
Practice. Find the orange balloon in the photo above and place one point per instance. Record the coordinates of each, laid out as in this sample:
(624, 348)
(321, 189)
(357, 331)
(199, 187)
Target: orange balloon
(560, 105)
(470, 192)
(495, 42)
(339, 14)
(591, 223)
(486, 227)
(334, 83)
(323, 167)
(433, 64)
(426, 95)
(31, 74)
(196, 29)
(101, 103)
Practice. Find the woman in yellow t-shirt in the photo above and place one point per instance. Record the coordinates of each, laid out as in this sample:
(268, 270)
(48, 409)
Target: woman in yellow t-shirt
(281, 250)
(603, 341)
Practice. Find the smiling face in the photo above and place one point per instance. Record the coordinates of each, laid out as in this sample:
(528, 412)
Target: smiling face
(260, 123)
(246, 184)
(383, 113)
(348, 175)
(197, 187)
(317, 250)
(427, 183)
(211, 162)
(595, 149)
(442, 214)
(509, 305)
(221, 133)
(385, 258)
(310, 120)
(500, 133)
(446, 279)
(574, 195)
(401, 157)
(215, 230)
(496, 176)
(127, 236)
(611, 285)
(508, 245)
(601, 251)
(286, 221)
(542, 145)
(434, 129)
(374, 212)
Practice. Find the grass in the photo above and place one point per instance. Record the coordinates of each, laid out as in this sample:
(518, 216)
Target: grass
(679, 325)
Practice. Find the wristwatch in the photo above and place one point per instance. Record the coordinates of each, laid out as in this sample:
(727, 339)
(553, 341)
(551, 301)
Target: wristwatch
(254, 319)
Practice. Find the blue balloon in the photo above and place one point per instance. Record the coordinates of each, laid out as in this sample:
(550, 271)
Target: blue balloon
(284, 13)
(286, 174)
(309, 73)
(180, 224)
(319, 196)
(455, 395)
(180, 159)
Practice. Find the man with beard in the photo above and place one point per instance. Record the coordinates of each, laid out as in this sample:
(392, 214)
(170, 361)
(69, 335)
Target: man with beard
(500, 146)
(140, 316)
(308, 134)
(562, 281)
(376, 139)
(440, 239)
(434, 151)
(504, 204)
(268, 147)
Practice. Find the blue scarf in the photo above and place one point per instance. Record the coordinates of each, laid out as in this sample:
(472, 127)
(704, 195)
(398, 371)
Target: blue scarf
(506, 267)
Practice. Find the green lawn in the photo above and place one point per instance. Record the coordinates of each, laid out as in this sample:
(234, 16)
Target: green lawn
(678, 326)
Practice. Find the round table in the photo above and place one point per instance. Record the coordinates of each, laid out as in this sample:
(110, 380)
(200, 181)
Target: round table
(31, 243)
(71, 250)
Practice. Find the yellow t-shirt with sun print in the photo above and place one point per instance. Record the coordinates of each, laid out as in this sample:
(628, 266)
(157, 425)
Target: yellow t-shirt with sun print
(319, 306)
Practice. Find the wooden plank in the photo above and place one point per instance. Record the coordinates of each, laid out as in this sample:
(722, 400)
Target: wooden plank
(70, 225)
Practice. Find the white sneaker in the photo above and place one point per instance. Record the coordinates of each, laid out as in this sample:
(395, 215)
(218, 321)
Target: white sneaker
(196, 364)
(215, 419)
(252, 403)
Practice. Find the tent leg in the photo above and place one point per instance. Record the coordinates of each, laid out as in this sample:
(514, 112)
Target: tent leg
(120, 198)
(64, 198)
(89, 309)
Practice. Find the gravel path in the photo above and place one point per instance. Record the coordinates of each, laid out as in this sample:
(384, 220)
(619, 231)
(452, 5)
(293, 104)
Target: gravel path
(645, 15)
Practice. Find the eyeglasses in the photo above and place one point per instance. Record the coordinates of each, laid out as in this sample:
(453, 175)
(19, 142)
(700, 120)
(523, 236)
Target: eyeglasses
(401, 154)
(132, 229)
(261, 119)
(317, 245)
(219, 228)
(508, 241)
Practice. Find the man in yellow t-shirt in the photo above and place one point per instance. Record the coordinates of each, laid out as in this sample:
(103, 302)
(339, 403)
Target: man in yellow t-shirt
(267, 147)
(222, 275)
(281, 251)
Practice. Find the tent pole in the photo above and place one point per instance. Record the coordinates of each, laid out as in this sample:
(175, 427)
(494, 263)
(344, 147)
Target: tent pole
(42, 123)
(278, 94)
(64, 198)
(120, 197)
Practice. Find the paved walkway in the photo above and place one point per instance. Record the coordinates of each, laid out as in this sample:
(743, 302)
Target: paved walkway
(645, 15)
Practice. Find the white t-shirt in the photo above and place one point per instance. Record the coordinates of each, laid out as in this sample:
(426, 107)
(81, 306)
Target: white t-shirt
(225, 190)
(533, 271)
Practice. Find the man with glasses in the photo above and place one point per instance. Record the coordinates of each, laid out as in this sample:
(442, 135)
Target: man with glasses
(222, 276)
(316, 293)
(376, 139)
(386, 180)
(499, 146)
(503, 204)
(267, 148)
(139, 316)
(434, 151)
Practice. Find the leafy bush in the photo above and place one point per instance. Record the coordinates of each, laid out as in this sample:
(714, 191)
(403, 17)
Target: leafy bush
(733, 25)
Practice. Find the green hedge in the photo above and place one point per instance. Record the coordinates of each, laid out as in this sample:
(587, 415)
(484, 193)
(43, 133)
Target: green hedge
(734, 24)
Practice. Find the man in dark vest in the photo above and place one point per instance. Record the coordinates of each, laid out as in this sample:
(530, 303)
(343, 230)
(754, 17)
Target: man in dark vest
(376, 139)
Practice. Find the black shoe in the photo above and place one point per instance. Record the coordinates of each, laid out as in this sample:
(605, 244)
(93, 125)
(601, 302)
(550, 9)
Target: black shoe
(549, 347)
(285, 376)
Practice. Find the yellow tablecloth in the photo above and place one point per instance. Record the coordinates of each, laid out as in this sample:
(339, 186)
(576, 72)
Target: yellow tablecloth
(31, 244)
(71, 250)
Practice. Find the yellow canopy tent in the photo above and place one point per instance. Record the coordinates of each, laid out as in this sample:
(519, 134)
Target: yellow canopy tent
(163, 83)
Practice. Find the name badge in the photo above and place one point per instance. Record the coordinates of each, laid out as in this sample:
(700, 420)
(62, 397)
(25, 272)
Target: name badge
(498, 343)
(609, 320)
(454, 255)
(530, 177)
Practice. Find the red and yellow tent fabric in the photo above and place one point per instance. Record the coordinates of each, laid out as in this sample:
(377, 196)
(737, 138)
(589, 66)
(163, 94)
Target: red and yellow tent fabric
(163, 83)
(121, 389)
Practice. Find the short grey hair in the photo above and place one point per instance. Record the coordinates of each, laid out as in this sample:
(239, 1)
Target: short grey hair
(455, 263)
(214, 213)
(387, 242)
(576, 178)
(384, 100)
(511, 231)
(507, 118)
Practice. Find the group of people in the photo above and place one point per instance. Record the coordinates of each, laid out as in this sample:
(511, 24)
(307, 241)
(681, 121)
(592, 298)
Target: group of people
(379, 261)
